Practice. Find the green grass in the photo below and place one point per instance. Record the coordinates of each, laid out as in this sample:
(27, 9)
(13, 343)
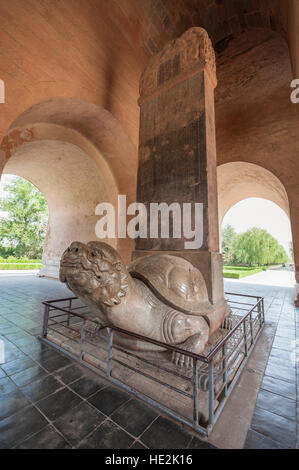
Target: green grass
(240, 268)
(12, 259)
(15, 266)
(238, 272)
(13, 263)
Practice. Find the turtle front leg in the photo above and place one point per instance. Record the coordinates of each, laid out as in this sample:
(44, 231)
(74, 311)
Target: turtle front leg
(229, 322)
(194, 343)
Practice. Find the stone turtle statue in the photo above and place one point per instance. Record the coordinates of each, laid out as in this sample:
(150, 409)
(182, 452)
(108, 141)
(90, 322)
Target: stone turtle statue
(159, 296)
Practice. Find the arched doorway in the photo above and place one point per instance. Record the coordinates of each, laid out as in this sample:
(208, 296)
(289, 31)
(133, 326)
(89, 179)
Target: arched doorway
(78, 155)
(256, 235)
(72, 185)
(242, 180)
(24, 215)
(260, 213)
(251, 196)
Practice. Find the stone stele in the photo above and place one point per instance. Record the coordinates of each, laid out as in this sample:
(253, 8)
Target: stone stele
(177, 152)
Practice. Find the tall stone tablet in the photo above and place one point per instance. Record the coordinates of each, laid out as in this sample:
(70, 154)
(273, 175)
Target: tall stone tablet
(177, 150)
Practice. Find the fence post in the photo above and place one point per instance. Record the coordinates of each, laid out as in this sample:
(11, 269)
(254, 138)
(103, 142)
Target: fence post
(46, 321)
(245, 337)
(82, 340)
(68, 315)
(251, 328)
(110, 343)
(211, 393)
(195, 392)
(224, 377)
(260, 314)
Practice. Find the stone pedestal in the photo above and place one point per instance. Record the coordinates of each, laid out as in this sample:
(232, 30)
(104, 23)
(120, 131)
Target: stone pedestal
(49, 270)
(177, 148)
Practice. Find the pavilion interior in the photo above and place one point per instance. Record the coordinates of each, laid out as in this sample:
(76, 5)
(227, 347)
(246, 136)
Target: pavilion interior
(70, 123)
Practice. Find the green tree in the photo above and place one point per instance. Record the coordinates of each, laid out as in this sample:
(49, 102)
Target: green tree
(291, 249)
(228, 236)
(258, 247)
(24, 224)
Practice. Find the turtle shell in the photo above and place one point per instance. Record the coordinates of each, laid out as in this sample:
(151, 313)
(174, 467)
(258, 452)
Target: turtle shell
(173, 280)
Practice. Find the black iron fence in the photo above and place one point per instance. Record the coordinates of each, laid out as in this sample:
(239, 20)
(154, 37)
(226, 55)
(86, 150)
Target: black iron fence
(214, 374)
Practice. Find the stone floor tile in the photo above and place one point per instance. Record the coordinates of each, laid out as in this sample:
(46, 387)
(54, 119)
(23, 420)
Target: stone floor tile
(134, 417)
(87, 386)
(275, 427)
(107, 436)
(58, 403)
(29, 375)
(6, 386)
(277, 404)
(16, 428)
(281, 387)
(18, 365)
(109, 399)
(47, 438)
(200, 444)
(165, 434)
(78, 422)
(41, 388)
(282, 373)
(43, 355)
(138, 446)
(255, 440)
(56, 363)
(69, 374)
(12, 402)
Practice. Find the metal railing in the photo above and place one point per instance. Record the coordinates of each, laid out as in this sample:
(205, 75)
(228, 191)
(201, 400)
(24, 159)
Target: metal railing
(214, 374)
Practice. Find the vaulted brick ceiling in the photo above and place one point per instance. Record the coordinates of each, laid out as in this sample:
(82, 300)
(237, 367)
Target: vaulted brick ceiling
(223, 19)
(96, 49)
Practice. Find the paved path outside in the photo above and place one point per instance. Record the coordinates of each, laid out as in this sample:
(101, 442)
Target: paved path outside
(49, 401)
(269, 278)
(18, 272)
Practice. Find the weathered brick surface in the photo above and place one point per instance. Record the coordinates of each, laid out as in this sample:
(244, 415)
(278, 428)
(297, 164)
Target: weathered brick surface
(219, 17)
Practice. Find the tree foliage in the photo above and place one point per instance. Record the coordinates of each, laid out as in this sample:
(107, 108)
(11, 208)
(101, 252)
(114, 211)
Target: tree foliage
(228, 237)
(291, 248)
(24, 222)
(255, 247)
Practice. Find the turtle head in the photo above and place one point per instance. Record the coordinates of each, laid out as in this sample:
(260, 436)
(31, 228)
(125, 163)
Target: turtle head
(95, 271)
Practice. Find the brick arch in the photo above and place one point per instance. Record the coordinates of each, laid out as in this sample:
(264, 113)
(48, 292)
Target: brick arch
(85, 124)
(78, 155)
(242, 180)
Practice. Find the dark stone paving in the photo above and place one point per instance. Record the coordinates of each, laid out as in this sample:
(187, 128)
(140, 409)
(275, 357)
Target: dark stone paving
(275, 420)
(49, 401)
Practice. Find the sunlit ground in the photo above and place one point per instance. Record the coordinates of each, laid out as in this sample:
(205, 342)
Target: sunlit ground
(269, 278)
